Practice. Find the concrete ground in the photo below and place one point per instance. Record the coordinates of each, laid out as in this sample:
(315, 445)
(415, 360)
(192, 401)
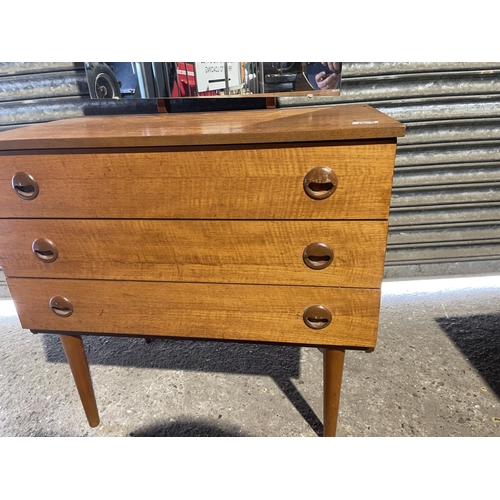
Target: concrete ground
(435, 372)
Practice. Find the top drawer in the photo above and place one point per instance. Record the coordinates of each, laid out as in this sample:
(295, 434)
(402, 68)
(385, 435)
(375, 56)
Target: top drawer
(203, 183)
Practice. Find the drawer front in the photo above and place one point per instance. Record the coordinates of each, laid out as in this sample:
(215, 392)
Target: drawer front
(235, 183)
(265, 252)
(216, 311)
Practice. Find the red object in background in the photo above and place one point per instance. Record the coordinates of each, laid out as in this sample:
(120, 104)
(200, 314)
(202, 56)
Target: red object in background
(186, 79)
(187, 82)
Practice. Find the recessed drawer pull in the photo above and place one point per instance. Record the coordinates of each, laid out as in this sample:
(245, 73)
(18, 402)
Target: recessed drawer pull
(317, 317)
(25, 186)
(320, 183)
(61, 306)
(45, 250)
(317, 255)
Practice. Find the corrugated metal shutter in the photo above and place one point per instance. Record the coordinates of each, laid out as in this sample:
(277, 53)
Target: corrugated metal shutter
(41, 92)
(38, 92)
(445, 208)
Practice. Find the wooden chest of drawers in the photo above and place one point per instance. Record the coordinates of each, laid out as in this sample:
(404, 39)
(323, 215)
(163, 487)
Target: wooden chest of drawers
(265, 226)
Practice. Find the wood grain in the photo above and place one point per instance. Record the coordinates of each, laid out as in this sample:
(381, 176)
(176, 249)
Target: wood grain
(333, 367)
(237, 183)
(266, 252)
(77, 360)
(327, 123)
(236, 312)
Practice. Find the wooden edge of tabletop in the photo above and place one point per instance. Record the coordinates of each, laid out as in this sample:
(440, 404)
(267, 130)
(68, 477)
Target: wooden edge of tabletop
(282, 125)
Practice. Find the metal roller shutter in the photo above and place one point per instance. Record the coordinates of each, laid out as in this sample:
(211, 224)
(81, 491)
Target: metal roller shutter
(445, 208)
(42, 92)
(37, 92)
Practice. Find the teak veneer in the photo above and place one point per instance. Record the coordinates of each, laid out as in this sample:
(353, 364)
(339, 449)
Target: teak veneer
(261, 226)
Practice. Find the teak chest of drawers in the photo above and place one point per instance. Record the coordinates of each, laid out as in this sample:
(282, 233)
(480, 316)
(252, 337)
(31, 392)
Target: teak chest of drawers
(264, 226)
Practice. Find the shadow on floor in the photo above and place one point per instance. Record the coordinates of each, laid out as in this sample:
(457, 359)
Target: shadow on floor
(478, 337)
(188, 428)
(281, 363)
(191, 355)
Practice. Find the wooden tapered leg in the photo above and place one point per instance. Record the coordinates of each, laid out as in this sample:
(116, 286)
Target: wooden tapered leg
(333, 366)
(75, 353)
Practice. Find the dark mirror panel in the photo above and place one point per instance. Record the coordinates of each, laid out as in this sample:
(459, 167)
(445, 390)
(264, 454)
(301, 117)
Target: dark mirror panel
(162, 80)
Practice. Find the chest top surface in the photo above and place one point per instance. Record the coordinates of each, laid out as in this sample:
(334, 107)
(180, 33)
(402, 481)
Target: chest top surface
(286, 125)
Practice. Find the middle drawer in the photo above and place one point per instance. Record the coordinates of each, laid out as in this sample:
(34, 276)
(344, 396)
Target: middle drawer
(264, 252)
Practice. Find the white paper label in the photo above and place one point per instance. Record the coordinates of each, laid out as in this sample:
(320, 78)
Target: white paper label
(211, 75)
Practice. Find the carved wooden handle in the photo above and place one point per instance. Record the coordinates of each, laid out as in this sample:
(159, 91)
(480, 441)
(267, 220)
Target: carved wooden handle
(25, 186)
(317, 317)
(45, 250)
(317, 255)
(61, 306)
(320, 183)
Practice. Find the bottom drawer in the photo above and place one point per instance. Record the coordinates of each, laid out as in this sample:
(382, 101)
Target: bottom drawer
(210, 311)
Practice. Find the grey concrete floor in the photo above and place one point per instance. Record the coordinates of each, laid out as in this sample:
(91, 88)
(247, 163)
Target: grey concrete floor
(435, 372)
